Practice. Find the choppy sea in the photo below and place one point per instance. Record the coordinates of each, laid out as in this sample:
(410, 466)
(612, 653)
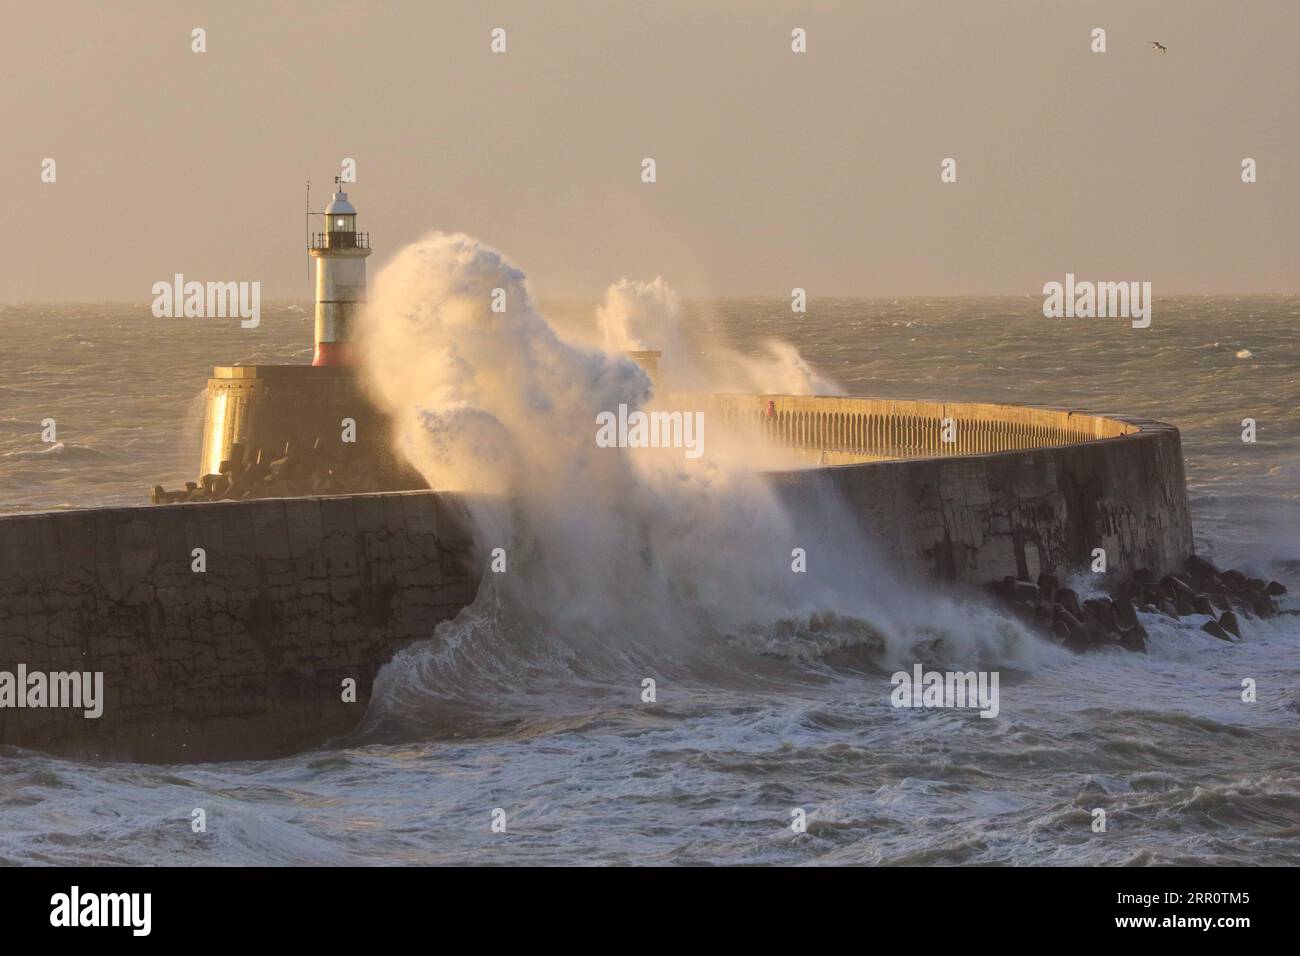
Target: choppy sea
(738, 739)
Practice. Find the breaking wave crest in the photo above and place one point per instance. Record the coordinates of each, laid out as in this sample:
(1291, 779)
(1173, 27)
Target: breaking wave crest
(619, 564)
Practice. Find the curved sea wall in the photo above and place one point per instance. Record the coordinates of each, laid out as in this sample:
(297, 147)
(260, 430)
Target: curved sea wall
(250, 655)
(1016, 490)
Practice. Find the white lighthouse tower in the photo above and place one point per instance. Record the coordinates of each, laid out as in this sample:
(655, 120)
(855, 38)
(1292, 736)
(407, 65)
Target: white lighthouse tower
(340, 253)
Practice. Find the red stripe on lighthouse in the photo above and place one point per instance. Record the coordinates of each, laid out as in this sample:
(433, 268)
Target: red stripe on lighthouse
(334, 353)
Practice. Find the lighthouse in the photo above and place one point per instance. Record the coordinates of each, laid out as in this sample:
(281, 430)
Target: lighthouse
(340, 253)
(296, 429)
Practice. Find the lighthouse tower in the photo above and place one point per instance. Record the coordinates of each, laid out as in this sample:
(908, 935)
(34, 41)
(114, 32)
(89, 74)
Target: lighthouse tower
(315, 420)
(340, 253)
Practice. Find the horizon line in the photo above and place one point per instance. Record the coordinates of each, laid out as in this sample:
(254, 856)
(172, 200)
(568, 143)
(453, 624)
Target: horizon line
(714, 298)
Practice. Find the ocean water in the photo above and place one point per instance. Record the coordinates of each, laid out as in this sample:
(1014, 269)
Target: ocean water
(498, 710)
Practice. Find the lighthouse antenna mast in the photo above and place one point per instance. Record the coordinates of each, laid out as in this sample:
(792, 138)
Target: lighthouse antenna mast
(337, 180)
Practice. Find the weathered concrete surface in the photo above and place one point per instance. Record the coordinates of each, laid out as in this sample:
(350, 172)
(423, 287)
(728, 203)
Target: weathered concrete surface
(244, 660)
(1017, 490)
(977, 518)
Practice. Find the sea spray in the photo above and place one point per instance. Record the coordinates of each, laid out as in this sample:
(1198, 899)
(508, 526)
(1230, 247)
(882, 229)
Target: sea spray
(498, 405)
(619, 560)
(637, 314)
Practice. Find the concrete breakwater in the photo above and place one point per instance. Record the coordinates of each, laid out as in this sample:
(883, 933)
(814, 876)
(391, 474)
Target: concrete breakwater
(249, 657)
(1017, 490)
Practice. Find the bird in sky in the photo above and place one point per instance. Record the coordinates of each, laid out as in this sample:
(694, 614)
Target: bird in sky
(1157, 45)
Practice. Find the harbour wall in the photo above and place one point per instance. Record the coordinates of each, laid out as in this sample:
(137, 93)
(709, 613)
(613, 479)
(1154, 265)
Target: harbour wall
(246, 658)
(249, 656)
(1017, 490)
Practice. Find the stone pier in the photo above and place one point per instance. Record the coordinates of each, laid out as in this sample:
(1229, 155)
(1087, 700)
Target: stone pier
(1017, 490)
(248, 658)
(244, 659)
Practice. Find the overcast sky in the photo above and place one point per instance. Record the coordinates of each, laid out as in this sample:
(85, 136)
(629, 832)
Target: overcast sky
(775, 169)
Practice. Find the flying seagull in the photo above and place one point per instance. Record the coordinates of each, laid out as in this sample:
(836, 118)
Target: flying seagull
(1156, 44)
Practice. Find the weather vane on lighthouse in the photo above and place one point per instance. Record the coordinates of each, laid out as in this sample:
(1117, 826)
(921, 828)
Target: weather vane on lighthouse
(340, 253)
